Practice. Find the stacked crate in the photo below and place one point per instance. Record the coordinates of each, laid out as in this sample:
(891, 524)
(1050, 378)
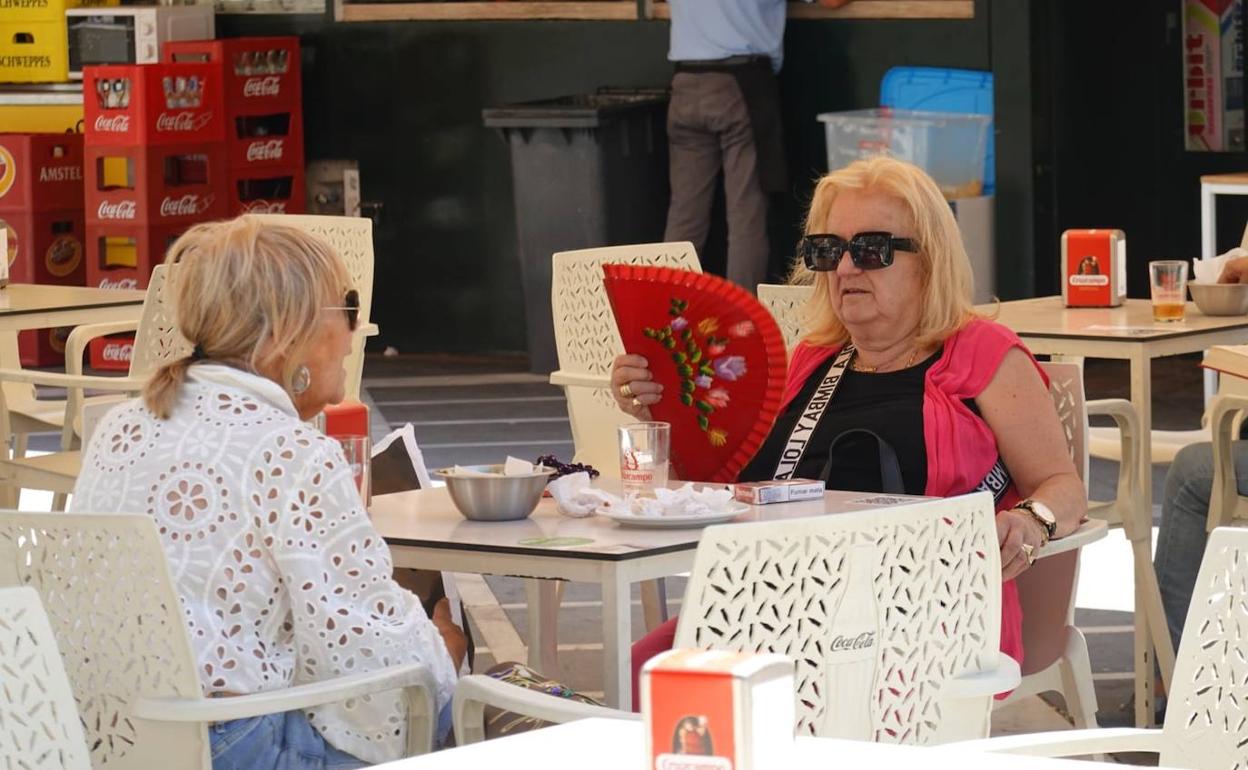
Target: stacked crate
(155, 164)
(263, 119)
(41, 214)
(34, 45)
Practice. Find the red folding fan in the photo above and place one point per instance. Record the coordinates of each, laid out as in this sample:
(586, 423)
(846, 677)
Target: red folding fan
(718, 354)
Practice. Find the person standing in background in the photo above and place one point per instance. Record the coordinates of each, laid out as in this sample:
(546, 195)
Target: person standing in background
(725, 113)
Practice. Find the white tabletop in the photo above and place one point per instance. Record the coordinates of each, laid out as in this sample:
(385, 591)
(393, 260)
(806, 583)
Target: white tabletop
(428, 518)
(613, 744)
(1133, 320)
(19, 298)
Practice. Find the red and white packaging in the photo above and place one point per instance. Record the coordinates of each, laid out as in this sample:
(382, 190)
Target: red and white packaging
(717, 710)
(153, 104)
(1094, 268)
(169, 184)
(262, 74)
(40, 172)
(43, 347)
(111, 354)
(45, 246)
(267, 191)
(121, 256)
(778, 491)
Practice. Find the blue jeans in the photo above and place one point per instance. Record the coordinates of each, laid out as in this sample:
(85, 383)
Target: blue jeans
(1184, 513)
(285, 741)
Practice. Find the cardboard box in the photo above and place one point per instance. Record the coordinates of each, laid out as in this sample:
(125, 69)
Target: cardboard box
(121, 256)
(784, 491)
(717, 710)
(267, 191)
(1213, 73)
(40, 172)
(262, 74)
(1094, 268)
(45, 247)
(153, 186)
(144, 105)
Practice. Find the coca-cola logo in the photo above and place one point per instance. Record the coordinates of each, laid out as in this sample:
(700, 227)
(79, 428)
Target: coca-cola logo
(117, 351)
(182, 122)
(185, 206)
(859, 642)
(120, 283)
(265, 150)
(117, 210)
(265, 86)
(265, 207)
(115, 124)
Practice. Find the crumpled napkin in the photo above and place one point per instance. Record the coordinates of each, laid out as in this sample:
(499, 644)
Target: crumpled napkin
(685, 501)
(576, 498)
(1208, 270)
(512, 467)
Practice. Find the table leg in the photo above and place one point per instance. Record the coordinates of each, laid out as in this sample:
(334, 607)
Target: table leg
(1208, 223)
(617, 637)
(543, 612)
(654, 602)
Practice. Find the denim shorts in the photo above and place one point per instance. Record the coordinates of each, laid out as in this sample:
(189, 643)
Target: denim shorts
(285, 741)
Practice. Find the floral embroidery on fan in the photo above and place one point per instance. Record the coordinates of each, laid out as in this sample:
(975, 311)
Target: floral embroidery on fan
(698, 351)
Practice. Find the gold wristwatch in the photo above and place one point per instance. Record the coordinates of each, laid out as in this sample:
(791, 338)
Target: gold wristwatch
(1043, 516)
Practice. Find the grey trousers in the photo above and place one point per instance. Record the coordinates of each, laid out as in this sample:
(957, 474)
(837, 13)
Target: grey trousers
(708, 127)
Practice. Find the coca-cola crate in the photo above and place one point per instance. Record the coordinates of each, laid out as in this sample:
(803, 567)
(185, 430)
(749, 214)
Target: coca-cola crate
(111, 354)
(268, 141)
(153, 104)
(122, 256)
(261, 73)
(155, 185)
(43, 347)
(40, 172)
(45, 246)
(267, 191)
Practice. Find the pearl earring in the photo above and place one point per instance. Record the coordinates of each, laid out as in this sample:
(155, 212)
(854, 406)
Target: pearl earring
(301, 380)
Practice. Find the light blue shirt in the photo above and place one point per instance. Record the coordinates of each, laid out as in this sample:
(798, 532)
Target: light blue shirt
(717, 29)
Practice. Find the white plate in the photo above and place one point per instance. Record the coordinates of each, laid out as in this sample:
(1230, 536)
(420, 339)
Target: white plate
(731, 512)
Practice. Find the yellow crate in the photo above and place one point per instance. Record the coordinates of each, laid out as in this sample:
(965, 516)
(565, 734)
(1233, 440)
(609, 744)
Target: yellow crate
(34, 52)
(41, 118)
(45, 10)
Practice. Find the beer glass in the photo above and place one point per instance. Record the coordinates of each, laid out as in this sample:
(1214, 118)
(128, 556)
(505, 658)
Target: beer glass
(1167, 279)
(644, 451)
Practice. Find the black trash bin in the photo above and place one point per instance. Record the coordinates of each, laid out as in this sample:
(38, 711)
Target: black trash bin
(588, 170)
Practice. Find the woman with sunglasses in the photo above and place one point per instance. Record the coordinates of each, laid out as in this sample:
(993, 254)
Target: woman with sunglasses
(927, 396)
(282, 578)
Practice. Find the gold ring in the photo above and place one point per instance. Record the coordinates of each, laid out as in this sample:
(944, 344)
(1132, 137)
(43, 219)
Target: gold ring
(1029, 551)
(637, 403)
(626, 391)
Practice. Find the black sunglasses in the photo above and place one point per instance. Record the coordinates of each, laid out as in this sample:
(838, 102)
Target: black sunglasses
(350, 306)
(869, 251)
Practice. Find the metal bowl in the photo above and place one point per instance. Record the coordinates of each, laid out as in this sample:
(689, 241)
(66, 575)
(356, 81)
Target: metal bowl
(1220, 298)
(495, 498)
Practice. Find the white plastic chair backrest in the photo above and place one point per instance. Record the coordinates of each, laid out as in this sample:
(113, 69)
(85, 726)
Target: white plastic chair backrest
(352, 238)
(39, 724)
(879, 609)
(105, 583)
(1207, 709)
(157, 340)
(587, 340)
(1046, 591)
(786, 303)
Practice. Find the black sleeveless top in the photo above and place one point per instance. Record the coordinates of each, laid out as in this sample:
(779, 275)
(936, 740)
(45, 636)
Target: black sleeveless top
(890, 404)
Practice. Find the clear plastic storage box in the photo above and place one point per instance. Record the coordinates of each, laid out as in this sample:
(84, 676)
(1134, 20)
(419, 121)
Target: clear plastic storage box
(949, 146)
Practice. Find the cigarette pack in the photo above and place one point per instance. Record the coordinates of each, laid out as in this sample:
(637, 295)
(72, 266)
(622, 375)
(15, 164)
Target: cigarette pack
(718, 710)
(780, 491)
(1094, 268)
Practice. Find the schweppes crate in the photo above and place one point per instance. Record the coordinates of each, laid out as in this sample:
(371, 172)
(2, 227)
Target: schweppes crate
(33, 51)
(45, 10)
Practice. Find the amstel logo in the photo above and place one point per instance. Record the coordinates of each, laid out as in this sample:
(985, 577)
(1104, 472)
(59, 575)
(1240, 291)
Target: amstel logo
(8, 171)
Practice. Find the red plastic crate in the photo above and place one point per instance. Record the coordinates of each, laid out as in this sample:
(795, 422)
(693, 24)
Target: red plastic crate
(267, 191)
(40, 172)
(153, 104)
(265, 141)
(262, 74)
(46, 247)
(111, 354)
(155, 185)
(43, 347)
(120, 256)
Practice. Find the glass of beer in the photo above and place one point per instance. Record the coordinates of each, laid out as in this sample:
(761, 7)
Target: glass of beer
(1167, 279)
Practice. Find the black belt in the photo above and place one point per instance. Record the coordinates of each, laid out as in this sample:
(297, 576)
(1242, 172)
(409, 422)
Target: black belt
(731, 61)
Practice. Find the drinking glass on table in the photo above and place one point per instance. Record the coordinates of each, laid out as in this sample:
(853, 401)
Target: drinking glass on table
(644, 452)
(1167, 279)
(358, 450)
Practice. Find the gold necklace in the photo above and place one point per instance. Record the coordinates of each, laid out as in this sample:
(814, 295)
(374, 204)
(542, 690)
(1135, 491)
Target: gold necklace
(857, 367)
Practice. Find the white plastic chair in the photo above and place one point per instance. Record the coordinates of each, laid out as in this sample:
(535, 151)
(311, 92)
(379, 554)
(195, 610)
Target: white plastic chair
(1206, 723)
(1226, 506)
(105, 583)
(921, 582)
(787, 305)
(39, 724)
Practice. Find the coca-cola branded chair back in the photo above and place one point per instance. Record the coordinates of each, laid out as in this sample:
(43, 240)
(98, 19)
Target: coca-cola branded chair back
(587, 341)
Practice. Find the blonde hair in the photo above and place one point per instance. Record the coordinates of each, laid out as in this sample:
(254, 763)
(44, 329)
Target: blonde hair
(946, 303)
(247, 293)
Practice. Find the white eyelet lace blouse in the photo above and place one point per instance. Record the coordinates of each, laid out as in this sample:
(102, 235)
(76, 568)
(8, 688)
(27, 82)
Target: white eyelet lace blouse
(282, 577)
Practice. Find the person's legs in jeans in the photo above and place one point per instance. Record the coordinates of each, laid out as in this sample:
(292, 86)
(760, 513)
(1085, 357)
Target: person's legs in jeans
(746, 203)
(1182, 536)
(693, 159)
(285, 741)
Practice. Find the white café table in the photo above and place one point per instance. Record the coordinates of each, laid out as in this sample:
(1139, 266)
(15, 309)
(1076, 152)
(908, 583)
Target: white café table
(425, 530)
(29, 306)
(613, 744)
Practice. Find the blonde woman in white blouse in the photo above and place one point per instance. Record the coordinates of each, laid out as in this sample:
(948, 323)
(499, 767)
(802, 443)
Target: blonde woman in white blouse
(282, 577)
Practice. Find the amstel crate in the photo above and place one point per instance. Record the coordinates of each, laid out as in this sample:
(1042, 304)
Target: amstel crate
(122, 256)
(40, 172)
(33, 51)
(46, 246)
(153, 104)
(262, 74)
(163, 185)
(266, 191)
(45, 10)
